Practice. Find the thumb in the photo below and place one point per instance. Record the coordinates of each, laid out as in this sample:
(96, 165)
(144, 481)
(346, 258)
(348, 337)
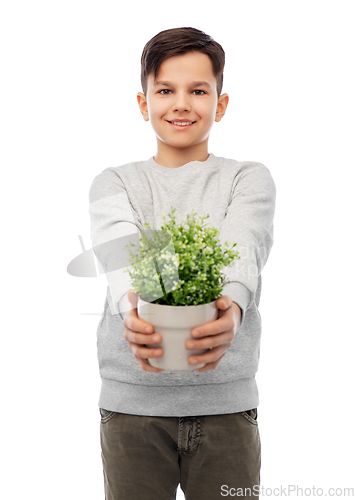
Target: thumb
(223, 302)
(133, 298)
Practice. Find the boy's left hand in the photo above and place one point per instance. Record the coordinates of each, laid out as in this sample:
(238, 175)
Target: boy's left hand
(217, 335)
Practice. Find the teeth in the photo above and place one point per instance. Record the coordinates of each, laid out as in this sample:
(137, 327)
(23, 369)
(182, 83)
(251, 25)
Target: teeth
(181, 123)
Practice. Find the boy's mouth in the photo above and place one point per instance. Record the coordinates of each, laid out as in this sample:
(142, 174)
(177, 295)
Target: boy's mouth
(181, 124)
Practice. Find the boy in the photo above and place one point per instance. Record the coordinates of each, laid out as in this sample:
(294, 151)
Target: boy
(198, 428)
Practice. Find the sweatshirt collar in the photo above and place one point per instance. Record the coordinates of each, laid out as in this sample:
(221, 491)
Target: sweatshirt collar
(211, 160)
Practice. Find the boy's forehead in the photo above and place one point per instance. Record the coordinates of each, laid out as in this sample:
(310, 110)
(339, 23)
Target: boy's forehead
(193, 67)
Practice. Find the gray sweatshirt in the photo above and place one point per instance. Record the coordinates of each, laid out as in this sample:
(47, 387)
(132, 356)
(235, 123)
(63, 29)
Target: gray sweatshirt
(240, 200)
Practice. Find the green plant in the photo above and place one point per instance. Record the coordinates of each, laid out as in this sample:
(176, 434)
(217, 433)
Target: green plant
(188, 256)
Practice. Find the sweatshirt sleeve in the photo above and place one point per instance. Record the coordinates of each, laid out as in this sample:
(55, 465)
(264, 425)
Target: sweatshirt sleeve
(249, 223)
(112, 226)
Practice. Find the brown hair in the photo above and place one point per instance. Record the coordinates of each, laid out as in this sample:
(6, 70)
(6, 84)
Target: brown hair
(169, 43)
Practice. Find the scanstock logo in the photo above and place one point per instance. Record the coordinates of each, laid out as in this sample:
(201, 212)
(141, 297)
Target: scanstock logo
(111, 258)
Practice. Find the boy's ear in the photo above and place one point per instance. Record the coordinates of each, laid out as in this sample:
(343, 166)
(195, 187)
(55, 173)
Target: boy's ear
(221, 107)
(143, 105)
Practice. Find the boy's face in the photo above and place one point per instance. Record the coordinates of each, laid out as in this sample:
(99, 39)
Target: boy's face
(179, 95)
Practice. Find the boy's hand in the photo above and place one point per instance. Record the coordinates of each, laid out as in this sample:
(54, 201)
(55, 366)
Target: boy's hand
(217, 335)
(137, 337)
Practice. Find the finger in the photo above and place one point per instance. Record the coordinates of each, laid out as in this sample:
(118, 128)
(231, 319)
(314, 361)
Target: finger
(133, 298)
(145, 352)
(142, 338)
(133, 322)
(210, 356)
(211, 341)
(224, 302)
(147, 367)
(221, 325)
(209, 366)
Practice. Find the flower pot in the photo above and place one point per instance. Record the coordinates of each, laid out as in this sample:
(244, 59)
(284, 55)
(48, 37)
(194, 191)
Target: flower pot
(174, 324)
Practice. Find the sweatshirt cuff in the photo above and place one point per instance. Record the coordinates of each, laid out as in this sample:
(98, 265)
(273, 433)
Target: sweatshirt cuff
(240, 295)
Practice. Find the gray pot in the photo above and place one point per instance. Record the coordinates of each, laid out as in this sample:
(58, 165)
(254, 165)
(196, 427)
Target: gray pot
(174, 324)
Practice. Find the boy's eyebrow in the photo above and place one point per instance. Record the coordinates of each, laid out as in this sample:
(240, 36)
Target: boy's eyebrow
(193, 84)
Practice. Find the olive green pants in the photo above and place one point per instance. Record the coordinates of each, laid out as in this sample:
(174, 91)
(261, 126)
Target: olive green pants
(211, 457)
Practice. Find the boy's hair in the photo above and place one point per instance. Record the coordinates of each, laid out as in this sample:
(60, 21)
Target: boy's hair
(169, 43)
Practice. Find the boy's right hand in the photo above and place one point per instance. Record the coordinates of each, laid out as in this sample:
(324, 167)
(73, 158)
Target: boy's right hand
(137, 337)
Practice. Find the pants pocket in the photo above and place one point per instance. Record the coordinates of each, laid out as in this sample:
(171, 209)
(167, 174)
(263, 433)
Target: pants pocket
(251, 415)
(106, 415)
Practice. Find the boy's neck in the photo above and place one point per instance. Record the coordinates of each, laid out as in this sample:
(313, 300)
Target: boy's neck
(175, 157)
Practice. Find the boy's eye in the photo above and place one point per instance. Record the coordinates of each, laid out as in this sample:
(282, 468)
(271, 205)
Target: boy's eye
(162, 91)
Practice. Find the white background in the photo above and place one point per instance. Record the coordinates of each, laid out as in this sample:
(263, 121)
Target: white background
(70, 75)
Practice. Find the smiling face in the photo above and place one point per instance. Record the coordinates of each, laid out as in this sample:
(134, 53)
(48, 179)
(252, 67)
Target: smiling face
(185, 91)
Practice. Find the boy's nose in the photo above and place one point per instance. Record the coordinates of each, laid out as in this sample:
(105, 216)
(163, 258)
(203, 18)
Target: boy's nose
(181, 103)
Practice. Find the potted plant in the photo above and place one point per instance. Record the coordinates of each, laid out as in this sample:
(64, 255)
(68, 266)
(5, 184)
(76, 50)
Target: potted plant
(178, 277)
